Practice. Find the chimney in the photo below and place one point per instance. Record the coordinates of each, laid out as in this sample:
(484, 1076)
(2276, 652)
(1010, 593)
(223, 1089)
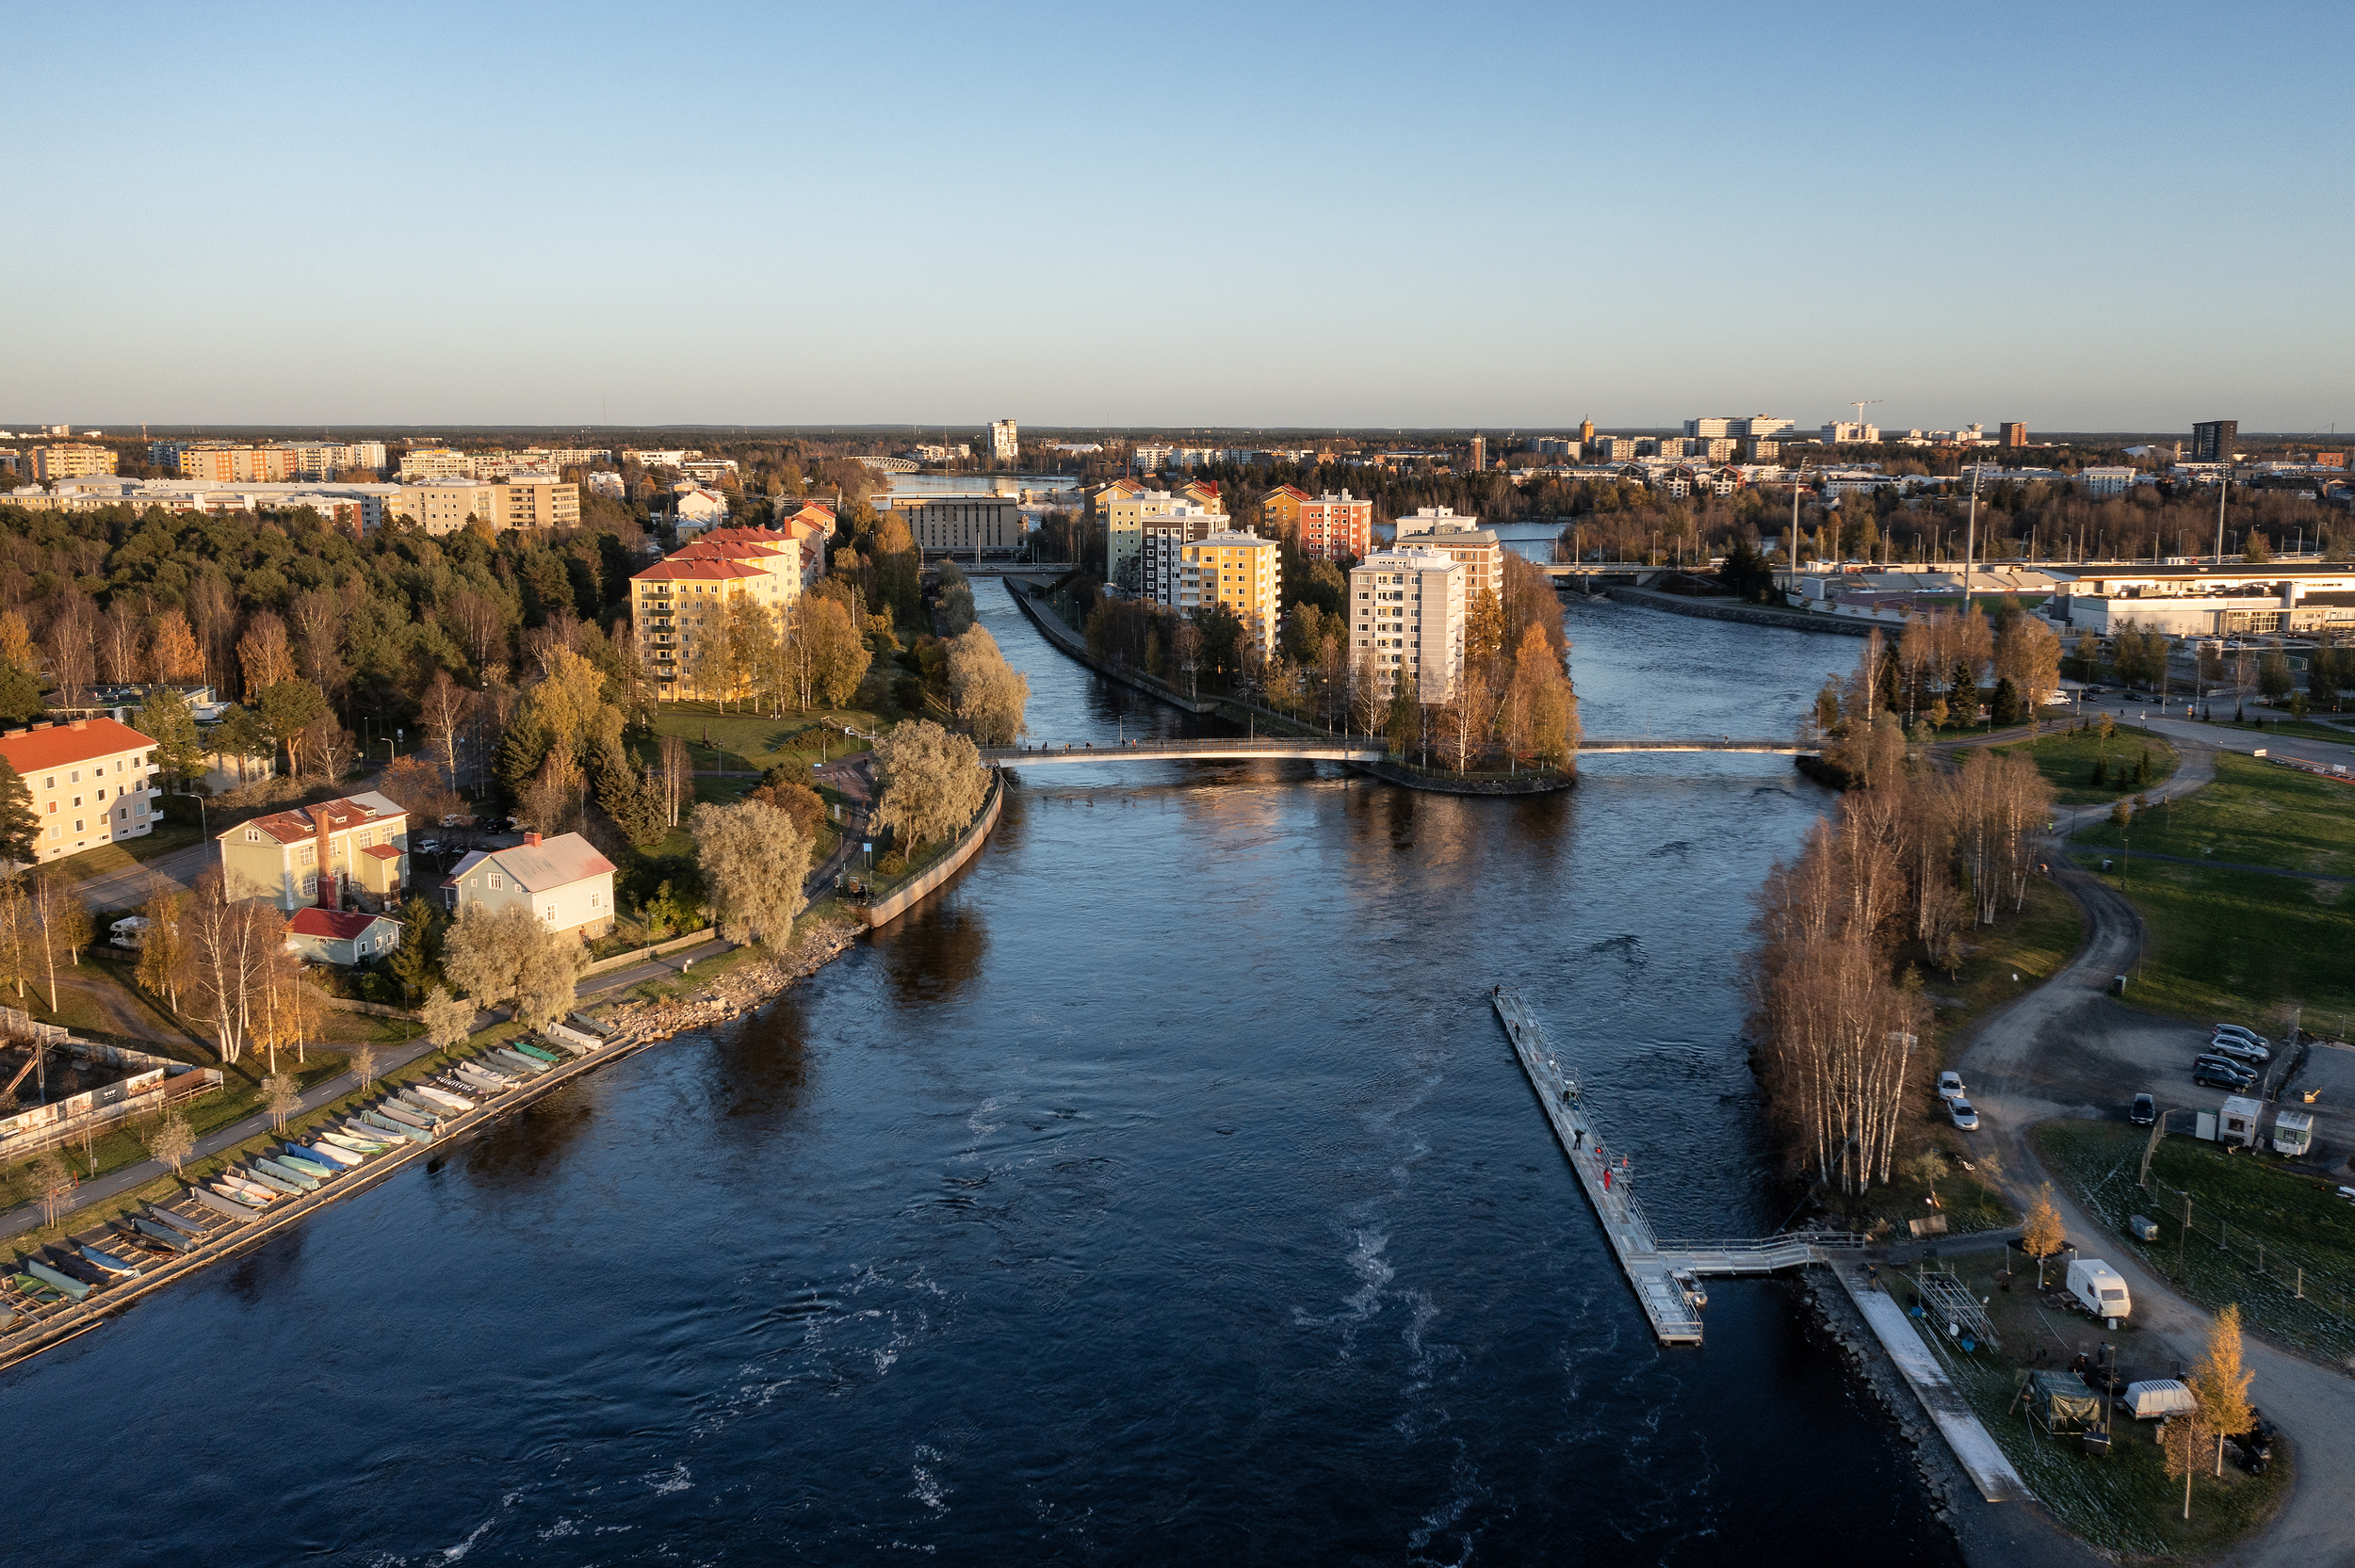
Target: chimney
(327, 878)
(532, 841)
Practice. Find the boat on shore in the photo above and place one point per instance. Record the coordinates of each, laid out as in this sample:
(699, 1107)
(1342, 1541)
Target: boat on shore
(164, 1236)
(229, 1207)
(351, 1142)
(295, 1158)
(107, 1261)
(281, 1186)
(180, 1223)
(58, 1280)
(537, 1053)
(441, 1097)
(333, 1153)
(286, 1171)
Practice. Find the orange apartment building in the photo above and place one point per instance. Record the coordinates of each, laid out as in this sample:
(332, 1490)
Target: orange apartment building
(1330, 527)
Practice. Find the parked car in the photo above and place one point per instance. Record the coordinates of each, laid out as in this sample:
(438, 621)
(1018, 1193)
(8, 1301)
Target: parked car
(425, 846)
(1959, 1112)
(2240, 1033)
(2144, 1111)
(2238, 1049)
(1950, 1087)
(2223, 1063)
(2216, 1075)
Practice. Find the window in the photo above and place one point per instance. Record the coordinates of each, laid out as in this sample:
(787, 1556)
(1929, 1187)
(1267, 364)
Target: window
(492, 881)
(54, 829)
(102, 794)
(49, 783)
(53, 806)
(78, 821)
(308, 855)
(549, 915)
(74, 777)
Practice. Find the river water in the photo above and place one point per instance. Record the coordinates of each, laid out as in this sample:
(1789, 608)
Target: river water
(1162, 1192)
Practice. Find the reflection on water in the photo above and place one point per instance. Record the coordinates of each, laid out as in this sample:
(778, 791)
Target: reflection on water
(1164, 1191)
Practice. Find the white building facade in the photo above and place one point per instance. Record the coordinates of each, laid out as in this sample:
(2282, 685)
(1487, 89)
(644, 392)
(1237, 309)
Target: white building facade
(1406, 614)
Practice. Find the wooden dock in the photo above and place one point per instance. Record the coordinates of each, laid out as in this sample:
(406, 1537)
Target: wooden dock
(1652, 1266)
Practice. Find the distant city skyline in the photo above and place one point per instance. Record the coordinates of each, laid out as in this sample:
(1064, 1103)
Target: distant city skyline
(955, 222)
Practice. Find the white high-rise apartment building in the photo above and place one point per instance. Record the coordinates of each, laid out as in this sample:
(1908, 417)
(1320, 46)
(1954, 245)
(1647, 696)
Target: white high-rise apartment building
(1002, 440)
(1761, 427)
(1839, 431)
(1462, 539)
(1406, 612)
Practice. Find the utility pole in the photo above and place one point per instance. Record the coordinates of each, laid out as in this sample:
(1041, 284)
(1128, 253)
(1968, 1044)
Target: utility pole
(2223, 483)
(1971, 535)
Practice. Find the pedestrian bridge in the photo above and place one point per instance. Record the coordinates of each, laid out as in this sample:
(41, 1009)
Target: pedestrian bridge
(1315, 748)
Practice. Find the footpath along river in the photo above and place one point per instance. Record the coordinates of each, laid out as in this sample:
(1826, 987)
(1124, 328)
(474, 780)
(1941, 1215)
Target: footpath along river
(1162, 1192)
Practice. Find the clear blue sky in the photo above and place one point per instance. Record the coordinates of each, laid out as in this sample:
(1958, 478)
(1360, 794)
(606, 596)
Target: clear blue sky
(2086, 217)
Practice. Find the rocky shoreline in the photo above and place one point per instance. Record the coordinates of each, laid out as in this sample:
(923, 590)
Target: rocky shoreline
(734, 992)
(1941, 1476)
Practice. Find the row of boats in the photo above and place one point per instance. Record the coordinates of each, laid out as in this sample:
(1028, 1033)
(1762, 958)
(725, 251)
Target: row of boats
(416, 1112)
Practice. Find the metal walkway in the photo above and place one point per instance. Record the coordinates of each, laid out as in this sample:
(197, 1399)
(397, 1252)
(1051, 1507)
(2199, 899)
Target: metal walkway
(1314, 749)
(1652, 1266)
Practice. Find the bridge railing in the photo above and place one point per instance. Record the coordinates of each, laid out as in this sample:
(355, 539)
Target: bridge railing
(1283, 746)
(1828, 1239)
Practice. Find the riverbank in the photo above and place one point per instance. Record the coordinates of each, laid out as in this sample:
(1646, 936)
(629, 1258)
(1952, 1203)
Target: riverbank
(1752, 615)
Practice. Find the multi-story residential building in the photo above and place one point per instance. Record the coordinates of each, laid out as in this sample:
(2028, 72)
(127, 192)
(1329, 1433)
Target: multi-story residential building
(794, 553)
(2015, 432)
(1160, 572)
(1408, 611)
(1337, 526)
(563, 880)
(1709, 430)
(237, 465)
(1759, 449)
(526, 501)
(1463, 541)
(605, 482)
(91, 781)
(1201, 493)
(696, 508)
(2212, 440)
(68, 461)
(1239, 570)
(708, 471)
(1124, 516)
(312, 854)
(1558, 447)
(2106, 482)
(648, 458)
(1841, 431)
(1149, 457)
(1004, 440)
(435, 463)
(1279, 509)
(679, 600)
(1613, 448)
(1761, 427)
(966, 523)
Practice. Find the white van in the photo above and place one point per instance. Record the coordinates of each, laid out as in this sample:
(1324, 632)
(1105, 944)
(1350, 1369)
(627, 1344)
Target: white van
(2098, 1288)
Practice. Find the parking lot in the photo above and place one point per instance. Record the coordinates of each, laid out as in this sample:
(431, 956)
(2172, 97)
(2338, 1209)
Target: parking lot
(2108, 1053)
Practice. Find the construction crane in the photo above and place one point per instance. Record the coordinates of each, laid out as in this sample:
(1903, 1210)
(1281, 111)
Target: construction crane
(1860, 404)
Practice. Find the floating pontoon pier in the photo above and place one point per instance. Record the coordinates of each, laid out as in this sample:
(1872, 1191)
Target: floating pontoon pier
(1665, 1274)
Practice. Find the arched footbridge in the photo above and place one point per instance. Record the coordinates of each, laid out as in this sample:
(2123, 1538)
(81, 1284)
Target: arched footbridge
(1317, 748)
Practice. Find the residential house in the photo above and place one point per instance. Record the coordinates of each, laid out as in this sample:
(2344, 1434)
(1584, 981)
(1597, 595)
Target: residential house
(315, 854)
(334, 936)
(561, 880)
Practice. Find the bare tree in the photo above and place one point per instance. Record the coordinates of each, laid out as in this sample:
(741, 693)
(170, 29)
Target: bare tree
(362, 1061)
(172, 1139)
(282, 1097)
(446, 707)
(119, 661)
(50, 1178)
(677, 775)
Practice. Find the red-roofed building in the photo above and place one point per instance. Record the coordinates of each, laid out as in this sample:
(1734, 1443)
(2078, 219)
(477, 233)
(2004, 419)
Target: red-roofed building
(91, 779)
(332, 936)
(308, 854)
(1280, 510)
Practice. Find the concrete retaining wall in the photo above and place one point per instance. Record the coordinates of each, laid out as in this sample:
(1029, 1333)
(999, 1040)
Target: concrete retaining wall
(640, 955)
(1755, 615)
(897, 904)
(1073, 643)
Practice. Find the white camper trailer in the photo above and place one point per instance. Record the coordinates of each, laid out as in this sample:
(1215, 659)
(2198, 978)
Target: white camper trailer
(2238, 1123)
(2292, 1132)
(2098, 1288)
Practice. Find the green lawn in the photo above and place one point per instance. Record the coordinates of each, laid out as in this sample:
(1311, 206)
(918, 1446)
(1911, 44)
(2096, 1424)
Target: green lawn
(2298, 1218)
(2226, 943)
(742, 742)
(2067, 760)
(2300, 729)
(2255, 814)
(108, 858)
(2123, 1501)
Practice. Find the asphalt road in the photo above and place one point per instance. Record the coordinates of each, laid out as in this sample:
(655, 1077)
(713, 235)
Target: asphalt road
(2069, 1044)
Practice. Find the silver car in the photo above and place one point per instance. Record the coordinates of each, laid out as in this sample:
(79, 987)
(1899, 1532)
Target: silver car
(2238, 1049)
(1960, 1113)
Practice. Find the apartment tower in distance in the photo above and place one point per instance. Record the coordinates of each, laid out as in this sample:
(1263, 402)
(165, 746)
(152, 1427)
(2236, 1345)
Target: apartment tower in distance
(1002, 442)
(1479, 454)
(2015, 434)
(2212, 440)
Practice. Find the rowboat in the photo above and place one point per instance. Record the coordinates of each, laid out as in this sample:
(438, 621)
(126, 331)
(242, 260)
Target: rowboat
(415, 1135)
(516, 1058)
(335, 1154)
(537, 1053)
(37, 1290)
(432, 1114)
(575, 1047)
(286, 1171)
(57, 1281)
(443, 1097)
(484, 1079)
(391, 1112)
(283, 1186)
(294, 1157)
(180, 1223)
(251, 1192)
(229, 1207)
(351, 1142)
(164, 1236)
(108, 1261)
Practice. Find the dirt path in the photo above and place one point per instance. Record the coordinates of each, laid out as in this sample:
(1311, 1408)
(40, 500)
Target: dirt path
(2013, 1061)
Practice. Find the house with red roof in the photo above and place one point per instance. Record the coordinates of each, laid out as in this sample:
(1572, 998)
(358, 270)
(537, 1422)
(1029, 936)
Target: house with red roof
(315, 854)
(92, 781)
(335, 936)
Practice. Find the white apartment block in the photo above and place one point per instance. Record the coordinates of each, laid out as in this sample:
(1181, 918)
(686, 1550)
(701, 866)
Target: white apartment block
(1005, 441)
(2106, 482)
(1407, 610)
(1839, 431)
(1124, 517)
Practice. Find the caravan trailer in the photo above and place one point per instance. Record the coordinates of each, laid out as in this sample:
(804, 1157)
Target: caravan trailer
(2098, 1288)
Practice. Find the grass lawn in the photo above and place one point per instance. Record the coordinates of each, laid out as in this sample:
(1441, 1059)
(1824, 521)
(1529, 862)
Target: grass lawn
(2124, 1501)
(2255, 814)
(2298, 1218)
(2066, 760)
(109, 858)
(2302, 729)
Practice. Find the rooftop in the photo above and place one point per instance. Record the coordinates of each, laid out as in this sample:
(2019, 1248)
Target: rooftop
(295, 827)
(50, 745)
(333, 925)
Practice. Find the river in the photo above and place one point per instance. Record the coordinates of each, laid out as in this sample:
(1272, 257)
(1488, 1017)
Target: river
(1164, 1191)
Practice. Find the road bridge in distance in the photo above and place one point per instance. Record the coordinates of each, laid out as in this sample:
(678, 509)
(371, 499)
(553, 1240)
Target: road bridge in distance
(1314, 749)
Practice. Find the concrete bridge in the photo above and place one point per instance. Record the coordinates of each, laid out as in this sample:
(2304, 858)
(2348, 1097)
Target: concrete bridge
(1315, 748)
